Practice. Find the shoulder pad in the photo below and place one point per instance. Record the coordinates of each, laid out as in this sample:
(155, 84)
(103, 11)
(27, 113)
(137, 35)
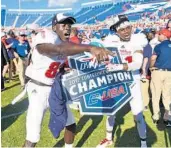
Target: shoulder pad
(111, 40)
(139, 40)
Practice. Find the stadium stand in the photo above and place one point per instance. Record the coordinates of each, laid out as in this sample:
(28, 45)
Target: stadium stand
(3, 14)
(90, 13)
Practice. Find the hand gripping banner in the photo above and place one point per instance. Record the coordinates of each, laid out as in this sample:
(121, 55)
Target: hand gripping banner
(96, 90)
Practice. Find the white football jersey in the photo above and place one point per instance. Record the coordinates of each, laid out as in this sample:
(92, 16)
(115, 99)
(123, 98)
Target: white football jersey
(126, 49)
(43, 68)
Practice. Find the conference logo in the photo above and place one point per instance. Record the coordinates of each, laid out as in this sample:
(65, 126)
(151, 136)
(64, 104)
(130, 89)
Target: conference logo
(96, 90)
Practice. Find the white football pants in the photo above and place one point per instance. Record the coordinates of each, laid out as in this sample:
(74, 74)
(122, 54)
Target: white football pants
(38, 104)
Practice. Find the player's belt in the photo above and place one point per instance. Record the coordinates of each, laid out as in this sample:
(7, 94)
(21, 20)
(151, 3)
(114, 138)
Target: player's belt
(39, 83)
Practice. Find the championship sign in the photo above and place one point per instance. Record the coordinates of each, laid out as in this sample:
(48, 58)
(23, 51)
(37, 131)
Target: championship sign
(96, 90)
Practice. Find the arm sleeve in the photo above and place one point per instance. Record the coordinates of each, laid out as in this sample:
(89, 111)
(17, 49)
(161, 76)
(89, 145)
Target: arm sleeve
(136, 63)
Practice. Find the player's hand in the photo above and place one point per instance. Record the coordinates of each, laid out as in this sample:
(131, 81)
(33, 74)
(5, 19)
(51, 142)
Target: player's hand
(114, 67)
(101, 54)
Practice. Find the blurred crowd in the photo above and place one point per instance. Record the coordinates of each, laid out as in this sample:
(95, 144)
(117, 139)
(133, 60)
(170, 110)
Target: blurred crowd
(15, 52)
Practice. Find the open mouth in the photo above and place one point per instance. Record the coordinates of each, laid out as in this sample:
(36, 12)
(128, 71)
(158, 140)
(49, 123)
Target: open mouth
(67, 35)
(127, 36)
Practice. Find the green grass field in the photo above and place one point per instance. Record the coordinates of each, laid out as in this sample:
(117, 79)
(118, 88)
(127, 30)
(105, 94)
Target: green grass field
(90, 129)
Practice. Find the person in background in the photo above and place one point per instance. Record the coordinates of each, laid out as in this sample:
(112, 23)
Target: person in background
(29, 40)
(4, 61)
(22, 48)
(85, 39)
(6, 66)
(155, 41)
(10, 41)
(150, 34)
(161, 77)
(74, 36)
(145, 72)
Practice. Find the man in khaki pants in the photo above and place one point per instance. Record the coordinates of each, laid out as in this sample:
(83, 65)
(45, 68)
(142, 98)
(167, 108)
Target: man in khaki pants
(161, 77)
(22, 48)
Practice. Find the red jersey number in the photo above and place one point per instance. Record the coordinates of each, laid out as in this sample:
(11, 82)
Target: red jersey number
(51, 72)
(129, 59)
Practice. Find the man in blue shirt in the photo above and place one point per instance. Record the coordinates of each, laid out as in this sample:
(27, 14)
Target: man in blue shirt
(22, 48)
(161, 77)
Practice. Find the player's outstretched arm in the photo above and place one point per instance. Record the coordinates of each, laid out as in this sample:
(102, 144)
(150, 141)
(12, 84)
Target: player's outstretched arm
(67, 48)
(135, 64)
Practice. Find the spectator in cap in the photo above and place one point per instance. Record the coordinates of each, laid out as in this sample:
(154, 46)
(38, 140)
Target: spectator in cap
(164, 34)
(22, 49)
(150, 34)
(45, 70)
(161, 77)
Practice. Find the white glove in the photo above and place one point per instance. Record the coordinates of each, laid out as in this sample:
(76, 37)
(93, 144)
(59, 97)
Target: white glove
(114, 67)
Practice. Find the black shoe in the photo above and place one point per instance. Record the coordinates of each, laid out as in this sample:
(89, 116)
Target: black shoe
(155, 121)
(167, 123)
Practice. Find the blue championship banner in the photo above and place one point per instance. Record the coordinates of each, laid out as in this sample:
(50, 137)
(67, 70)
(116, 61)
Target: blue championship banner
(96, 90)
